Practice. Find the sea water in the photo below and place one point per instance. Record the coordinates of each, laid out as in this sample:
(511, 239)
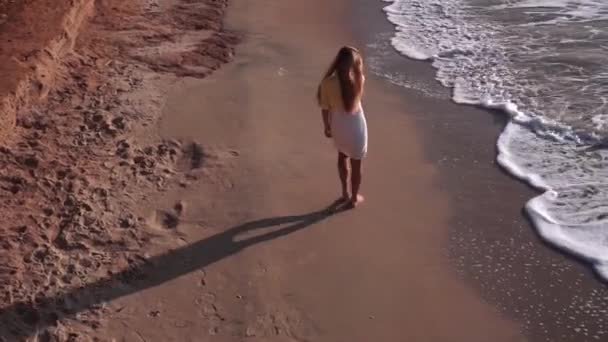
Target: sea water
(545, 64)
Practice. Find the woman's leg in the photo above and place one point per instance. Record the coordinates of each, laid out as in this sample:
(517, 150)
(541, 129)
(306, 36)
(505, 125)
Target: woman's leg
(355, 180)
(343, 172)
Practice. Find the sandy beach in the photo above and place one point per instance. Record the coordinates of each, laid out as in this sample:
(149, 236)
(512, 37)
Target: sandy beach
(361, 275)
(175, 185)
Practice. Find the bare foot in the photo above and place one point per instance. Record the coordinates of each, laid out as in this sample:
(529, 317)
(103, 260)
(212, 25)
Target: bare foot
(355, 202)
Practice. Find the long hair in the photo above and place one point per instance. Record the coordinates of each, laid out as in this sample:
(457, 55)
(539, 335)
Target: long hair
(348, 67)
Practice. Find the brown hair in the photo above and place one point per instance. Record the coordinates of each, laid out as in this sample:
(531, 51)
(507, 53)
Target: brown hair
(348, 67)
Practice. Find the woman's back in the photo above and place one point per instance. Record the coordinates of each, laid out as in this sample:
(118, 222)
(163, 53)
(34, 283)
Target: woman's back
(331, 97)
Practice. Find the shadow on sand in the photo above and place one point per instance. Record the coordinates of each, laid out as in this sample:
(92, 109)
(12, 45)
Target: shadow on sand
(25, 319)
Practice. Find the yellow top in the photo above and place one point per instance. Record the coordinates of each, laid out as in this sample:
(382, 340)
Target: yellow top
(331, 95)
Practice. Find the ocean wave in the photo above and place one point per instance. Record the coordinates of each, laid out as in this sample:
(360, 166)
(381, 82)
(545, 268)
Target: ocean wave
(553, 85)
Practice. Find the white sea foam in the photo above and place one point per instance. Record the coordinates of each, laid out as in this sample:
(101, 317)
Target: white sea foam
(572, 213)
(561, 10)
(546, 68)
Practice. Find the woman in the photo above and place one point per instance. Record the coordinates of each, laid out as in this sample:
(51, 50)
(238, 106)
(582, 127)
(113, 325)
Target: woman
(339, 96)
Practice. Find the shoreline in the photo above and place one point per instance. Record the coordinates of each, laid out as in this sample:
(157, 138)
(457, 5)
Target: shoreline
(492, 243)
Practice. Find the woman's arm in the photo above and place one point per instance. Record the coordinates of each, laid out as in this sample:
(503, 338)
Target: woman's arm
(326, 122)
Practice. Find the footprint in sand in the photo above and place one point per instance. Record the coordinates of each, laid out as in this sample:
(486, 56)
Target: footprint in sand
(192, 158)
(164, 220)
(167, 219)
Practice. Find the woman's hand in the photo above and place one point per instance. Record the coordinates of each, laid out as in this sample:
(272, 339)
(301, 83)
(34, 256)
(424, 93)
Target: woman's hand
(326, 122)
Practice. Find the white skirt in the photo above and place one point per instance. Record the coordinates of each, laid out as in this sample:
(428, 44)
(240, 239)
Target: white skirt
(349, 131)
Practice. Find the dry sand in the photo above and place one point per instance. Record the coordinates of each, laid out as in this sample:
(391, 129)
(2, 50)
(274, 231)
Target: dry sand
(83, 153)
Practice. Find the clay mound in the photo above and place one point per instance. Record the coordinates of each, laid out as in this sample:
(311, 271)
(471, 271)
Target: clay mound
(35, 36)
